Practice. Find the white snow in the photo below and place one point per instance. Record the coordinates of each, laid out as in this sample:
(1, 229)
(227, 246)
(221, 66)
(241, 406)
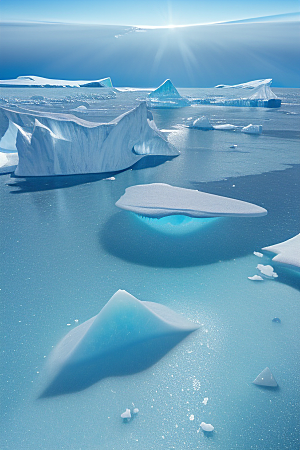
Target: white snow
(126, 414)
(288, 252)
(256, 278)
(267, 271)
(35, 81)
(206, 426)
(160, 200)
(122, 339)
(252, 129)
(63, 144)
(265, 378)
(166, 96)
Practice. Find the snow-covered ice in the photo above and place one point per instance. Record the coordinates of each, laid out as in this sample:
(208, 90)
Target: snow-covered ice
(126, 414)
(252, 129)
(267, 270)
(265, 378)
(160, 200)
(288, 252)
(202, 123)
(206, 426)
(166, 96)
(256, 278)
(260, 255)
(35, 81)
(121, 340)
(63, 144)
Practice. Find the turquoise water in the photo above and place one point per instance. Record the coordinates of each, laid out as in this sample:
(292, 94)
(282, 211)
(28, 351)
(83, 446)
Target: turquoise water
(66, 249)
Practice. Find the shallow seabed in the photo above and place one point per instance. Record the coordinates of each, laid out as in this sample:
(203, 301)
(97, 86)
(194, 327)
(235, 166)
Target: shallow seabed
(66, 249)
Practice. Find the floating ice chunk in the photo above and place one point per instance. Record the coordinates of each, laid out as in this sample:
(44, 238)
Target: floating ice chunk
(225, 127)
(192, 417)
(160, 200)
(126, 337)
(202, 123)
(135, 411)
(233, 146)
(166, 96)
(126, 414)
(260, 255)
(288, 252)
(35, 81)
(8, 141)
(267, 271)
(205, 401)
(256, 278)
(63, 144)
(252, 129)
(206, 427)
(265, 378)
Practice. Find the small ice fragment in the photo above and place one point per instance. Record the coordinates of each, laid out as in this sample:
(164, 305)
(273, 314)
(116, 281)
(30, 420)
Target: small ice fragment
(126, 414)
(260, 255)
(206, 426)
(110, 178)
(135, 411)
(276, 319)
(233, 146)
(76, 320)
(256, 278)
(192, 417)
(68, 324)
(205, 401)
(266, 378)
(268, 270)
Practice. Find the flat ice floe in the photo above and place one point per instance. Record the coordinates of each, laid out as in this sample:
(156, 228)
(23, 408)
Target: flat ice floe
(126, 337)
(288, 252)
(35, 81)
(63, 144)
(159, 200)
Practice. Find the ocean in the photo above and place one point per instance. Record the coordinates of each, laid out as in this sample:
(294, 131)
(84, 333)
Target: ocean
(66, 249)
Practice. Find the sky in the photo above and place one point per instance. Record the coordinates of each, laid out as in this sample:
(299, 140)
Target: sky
(142, 12)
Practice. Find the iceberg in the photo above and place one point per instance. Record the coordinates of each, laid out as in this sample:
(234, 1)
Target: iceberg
(166, 96)
(126, 337)
(35, 81)
(288, 252)
(8, 161)
(266, 378)
(8, 140)
(255, 93)
(159, 200)
(202, 123)
(63, 144)
(256, 278)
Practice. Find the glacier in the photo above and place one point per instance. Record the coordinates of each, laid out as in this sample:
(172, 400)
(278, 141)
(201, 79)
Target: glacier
(166, 96)
(288, 252)
(159, 200)
(63, 144)
(26, 81)
(126, 337)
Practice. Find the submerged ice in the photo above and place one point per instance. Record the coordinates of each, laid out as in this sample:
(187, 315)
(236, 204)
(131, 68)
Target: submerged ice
(63, 144)
(265, 378)
(127, 336)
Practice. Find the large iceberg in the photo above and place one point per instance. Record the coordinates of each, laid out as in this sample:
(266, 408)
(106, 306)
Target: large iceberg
(166, 96)
(160, 200)
(127, 336)
(35, 81)
(62, 144)
(288, 252)
(253, 93)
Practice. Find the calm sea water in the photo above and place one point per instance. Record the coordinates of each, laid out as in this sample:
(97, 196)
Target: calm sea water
(66, 249)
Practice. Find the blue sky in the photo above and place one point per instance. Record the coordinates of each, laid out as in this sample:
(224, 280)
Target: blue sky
(142, 12)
